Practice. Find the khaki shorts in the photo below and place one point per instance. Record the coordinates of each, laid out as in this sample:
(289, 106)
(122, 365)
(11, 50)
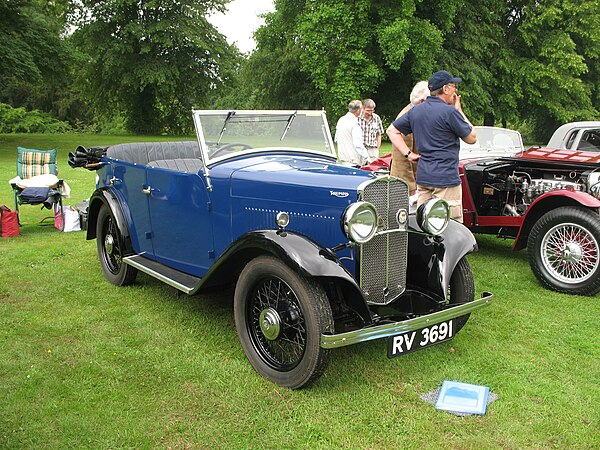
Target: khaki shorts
(453, 195)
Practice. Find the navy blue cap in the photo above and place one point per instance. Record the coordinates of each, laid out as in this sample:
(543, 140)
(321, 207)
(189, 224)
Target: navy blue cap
(440, 78)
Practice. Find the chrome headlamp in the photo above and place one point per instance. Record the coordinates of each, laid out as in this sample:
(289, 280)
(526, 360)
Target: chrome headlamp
(360, 222)
(433, 216)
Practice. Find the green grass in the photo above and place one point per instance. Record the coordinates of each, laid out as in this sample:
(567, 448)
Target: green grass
(84, 364)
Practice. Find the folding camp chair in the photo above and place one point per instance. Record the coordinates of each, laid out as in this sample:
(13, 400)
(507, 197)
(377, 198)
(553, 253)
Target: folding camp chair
(33, 170)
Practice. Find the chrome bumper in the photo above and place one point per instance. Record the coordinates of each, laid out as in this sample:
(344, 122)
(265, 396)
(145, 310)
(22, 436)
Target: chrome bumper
(392, 329)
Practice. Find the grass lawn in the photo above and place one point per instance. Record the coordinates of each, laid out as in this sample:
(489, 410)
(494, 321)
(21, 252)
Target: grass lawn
(84, 364)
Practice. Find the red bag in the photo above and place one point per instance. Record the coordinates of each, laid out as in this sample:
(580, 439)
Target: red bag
(9, 222)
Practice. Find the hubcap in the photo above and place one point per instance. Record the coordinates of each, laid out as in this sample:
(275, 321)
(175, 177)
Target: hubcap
(570, 253)
(270, 323)
(109, 243)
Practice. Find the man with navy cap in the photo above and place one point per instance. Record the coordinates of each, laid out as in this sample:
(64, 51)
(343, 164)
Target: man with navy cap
(436, 125)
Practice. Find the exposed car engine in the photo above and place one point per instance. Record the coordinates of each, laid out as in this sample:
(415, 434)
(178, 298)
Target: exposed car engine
(499, 189)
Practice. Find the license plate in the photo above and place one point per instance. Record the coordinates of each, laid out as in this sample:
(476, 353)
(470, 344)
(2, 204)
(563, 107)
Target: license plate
(416, 340)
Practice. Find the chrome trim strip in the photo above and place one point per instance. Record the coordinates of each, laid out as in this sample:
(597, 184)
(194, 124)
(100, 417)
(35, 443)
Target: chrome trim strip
(392, 329)
(157, 275)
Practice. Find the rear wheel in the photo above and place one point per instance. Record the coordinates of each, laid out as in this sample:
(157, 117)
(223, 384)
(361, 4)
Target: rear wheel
(280, 316)
(461, 289)
(110, 251)
(564, 252)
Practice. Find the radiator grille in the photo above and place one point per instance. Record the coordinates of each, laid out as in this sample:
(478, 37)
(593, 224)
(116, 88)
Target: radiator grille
(383, 259)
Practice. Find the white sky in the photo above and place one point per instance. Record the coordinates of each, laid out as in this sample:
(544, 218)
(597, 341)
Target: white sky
(241, 20)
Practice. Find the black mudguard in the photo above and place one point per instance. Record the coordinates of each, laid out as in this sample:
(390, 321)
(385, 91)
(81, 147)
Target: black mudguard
(432, 259)
(106, 196)
(297, 251)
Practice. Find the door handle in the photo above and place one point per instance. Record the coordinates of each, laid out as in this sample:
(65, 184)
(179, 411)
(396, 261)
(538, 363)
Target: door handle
(147, 190)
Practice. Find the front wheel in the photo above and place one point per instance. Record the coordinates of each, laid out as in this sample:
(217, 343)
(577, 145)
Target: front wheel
(280, 316)
(110, 250)
(564, 252)
(461, 289)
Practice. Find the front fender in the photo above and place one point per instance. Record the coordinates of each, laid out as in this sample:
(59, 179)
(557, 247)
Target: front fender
(433, 259)
(551, 200)
(297, 251)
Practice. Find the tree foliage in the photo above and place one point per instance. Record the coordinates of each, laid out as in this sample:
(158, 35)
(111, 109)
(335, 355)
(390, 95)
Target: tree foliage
(152, 60)
(20, 120)
(147, 62)
(522, 60)
(35, 61)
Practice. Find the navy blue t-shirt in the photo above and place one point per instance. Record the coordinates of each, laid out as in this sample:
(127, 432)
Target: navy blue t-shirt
(436, 127)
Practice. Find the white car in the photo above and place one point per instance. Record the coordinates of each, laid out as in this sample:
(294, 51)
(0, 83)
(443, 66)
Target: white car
(582, 136)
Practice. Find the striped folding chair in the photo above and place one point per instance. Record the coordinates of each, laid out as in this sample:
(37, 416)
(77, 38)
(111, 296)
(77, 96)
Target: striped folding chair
(33, 163)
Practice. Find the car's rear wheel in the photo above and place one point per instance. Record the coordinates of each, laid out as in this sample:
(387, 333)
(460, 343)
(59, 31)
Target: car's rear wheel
(110, 252)
(564, 250)
(280, 316)
(461, 289)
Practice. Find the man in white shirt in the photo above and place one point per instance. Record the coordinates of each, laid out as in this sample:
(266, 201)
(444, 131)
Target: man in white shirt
(349, 136)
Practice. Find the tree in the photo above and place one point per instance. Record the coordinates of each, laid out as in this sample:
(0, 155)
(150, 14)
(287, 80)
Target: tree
(152, 60)
(342, 50)
(522, 60)
(556, 48)
(35, 62)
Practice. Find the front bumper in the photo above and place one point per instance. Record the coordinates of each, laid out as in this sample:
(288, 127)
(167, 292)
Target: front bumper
(393, 329)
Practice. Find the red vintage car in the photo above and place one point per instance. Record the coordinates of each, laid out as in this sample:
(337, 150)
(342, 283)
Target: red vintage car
(546, 199)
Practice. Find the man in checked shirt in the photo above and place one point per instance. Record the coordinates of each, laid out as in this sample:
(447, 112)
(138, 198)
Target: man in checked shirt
(372, 129)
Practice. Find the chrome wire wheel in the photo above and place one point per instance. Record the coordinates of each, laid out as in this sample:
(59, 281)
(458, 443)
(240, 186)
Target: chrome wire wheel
(564, 251)
(277, 325)
(570, 253)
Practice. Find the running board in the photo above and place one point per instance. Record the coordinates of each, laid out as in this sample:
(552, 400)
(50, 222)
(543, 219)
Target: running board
(179, 280)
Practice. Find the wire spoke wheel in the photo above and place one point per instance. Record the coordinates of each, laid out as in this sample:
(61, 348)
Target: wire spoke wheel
(570, 252)
(110, 251)
(280, 316)
(564, 250)
(277, 324)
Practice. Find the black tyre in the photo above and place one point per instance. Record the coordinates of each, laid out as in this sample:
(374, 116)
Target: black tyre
(110, 251)
(564, 253)
(279, 317)
(461, 289)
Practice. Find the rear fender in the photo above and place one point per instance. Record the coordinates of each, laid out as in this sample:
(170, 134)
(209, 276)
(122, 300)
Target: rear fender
(547, 202)
(106, 196)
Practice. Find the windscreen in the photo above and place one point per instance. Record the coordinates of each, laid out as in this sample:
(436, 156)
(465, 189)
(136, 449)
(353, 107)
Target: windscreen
(492, 141)
(229, 133)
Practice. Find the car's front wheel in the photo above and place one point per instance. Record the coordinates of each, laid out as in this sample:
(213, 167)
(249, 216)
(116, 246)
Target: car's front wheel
(110, 251)
(280, 316)
(461, 289)
(564, 250)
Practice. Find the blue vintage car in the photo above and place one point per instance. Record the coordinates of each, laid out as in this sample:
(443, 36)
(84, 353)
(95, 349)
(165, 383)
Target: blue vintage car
(321, 255)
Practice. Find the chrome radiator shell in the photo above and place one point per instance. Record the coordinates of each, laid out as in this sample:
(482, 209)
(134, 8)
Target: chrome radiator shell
(383, 260)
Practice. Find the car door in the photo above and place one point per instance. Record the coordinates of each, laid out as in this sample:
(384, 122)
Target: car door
(179, 207)
(129, 181)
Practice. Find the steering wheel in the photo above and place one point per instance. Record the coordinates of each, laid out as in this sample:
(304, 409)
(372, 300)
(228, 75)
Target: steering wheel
(231, 147)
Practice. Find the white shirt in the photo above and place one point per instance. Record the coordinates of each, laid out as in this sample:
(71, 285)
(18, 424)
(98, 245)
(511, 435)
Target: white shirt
(349, 139)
